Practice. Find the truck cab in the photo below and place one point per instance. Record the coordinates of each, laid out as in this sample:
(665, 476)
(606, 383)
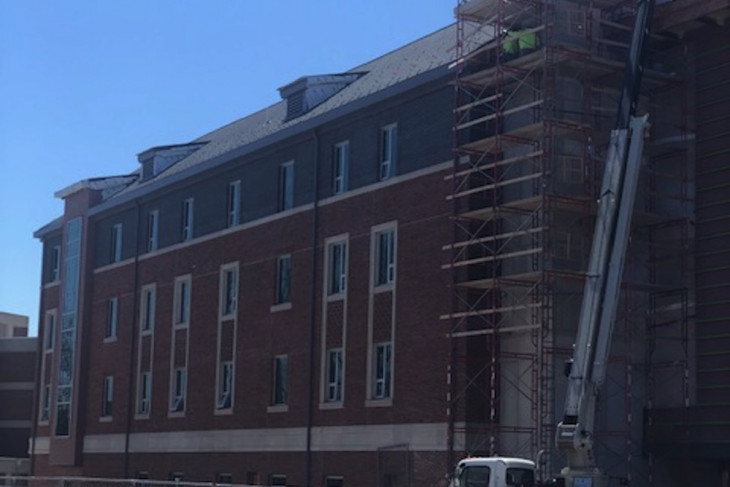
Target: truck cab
(494, 472)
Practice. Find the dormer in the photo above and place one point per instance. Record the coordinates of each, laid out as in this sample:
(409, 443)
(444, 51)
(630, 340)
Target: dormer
(157, 159)
(309, 91)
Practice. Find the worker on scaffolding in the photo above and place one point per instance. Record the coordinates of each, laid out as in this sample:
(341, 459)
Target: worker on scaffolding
(527, 42)
(510, 43)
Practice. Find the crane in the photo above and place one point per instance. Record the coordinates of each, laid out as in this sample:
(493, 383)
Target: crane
(587, 368)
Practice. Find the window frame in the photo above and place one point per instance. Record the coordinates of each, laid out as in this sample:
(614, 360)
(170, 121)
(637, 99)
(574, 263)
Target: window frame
(384, 263)
(334, 380)
(115, 251)
(55, 264)
(107, 400)
(340, 167)
(226, 383)
(228, 290)
(382, 384)
(280, 381)
(337, 261)
(45, 409)
(283, 294)
(286, 186)
(188, 219)
(148, 305)
(144, 394)
(388, 149)
(178, 390)
(112, 319)
(182, 301)
(153, 230)
(49, 331)
(233, 204)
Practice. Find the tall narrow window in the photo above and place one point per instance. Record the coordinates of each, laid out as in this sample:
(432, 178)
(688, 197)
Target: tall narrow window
(388, 150)
(145, 393)
(55, 263)
(112, 310)
(382, 371)
(108, 397)
(50, 331)
(225, 386)
(234, 203)
(179, 386)
(279, 386)
(229, 290)
(148, 308)
(338, 268)
(334, 375)
(46, 403)
(286, 186)
(116, 243)
(181, 311)
(187, 219)
(340, 167)
(384, 257)
(283, 279)
(152, 230)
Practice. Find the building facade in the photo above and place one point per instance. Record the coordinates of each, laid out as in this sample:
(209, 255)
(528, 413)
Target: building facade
(374, 277)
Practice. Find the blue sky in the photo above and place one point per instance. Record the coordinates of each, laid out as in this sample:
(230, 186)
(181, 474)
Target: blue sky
(86, 85)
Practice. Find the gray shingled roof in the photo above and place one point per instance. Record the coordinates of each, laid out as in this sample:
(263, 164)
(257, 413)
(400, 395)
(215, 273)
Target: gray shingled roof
(434, 51)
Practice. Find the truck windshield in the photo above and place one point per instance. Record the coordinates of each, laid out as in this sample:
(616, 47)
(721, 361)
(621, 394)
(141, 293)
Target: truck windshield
(521, 477)
(474, 476)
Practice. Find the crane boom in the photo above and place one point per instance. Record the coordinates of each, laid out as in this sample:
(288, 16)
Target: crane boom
(603, 278)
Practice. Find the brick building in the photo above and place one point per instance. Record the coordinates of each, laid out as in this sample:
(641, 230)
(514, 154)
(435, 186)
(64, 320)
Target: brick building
(317, 294)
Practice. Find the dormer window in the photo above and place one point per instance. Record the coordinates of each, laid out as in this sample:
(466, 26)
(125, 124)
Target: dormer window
(309, 91)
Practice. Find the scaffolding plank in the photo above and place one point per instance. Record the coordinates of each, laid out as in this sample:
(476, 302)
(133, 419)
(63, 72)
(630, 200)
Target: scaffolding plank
(492, 165)
(492, 238)
(517, 206)
(481, 260)
(499, 184)
(492, 331)
(490, 311)
(503, 113)
(523, 279)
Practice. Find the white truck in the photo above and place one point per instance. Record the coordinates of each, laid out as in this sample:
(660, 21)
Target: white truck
(494, 472)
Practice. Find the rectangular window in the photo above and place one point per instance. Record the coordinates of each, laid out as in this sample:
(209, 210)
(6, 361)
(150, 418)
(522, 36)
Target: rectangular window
(382, 371)
(116, 243)
(182, 301)
(229, 290)
(234, 203)
(179, 386)
(50, 331)
(224, 479)
(152, 230)
(384, 257)
(145, 393)
(334, 375)
(225, 386)
(340, 167)
(108, 398)
(277, 479)
(55, 263)
(388, 146)
(148, 308)
(283, 279)
(187, 219)
(332, 481)
(286, 186)
(279, 386)
(338, 268)
(46, 404)
(112, 310)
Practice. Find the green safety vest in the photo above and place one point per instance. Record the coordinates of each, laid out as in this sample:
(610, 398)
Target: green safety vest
(528, 40)
(509, 45)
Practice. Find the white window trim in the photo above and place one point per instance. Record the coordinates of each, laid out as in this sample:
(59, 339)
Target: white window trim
(340, 167)
(139, 412)
(112, 320)
(176, 321)
(175, 398)
(188, 219)
(153, 230)
(328, 383)
(372, 383)
(386, 166)
(144, 310)
(376, 232)
(55, 263)
(279, 281)
(107, 397)
(48, 334)
(330, 243)
(46, 392)
(279, 406)
(224, 290)
(234, 204)
(221, 394)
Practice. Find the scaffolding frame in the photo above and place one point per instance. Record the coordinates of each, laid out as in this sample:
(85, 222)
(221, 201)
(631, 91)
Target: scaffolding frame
(529, 135)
